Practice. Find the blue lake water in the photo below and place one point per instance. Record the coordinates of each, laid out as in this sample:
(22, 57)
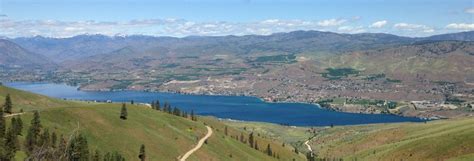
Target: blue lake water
(227, 107)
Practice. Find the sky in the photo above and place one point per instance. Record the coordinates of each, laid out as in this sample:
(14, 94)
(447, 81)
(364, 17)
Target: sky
(180, 18)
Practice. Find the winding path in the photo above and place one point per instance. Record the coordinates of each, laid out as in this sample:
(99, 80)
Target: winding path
(209, 133)
(308, 146)
(15, 114)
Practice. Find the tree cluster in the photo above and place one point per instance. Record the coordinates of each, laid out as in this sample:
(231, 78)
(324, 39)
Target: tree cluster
(252, 141)
(8, 105)
(40, 144)
(172, 110)
(9, 137)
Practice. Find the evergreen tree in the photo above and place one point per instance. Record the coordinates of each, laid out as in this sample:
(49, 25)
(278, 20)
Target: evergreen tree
(33, 133)
(108, 157)
(14, 125)
(7, 107)
(165, 107)
(44, 139)
(310, 156)
(225, 131)
(96, 156)
(157, 105)
(113, 157)
(193, 117)
(242, 139)
(54, 139)
(11, 142)
(269, 150)
(3, 125)
(118, 157)
(19, 125)
(78, 149)
(170, 110)
(123, 112)
(153, 105)
(251, 141)
(142, 155)
(175, 111)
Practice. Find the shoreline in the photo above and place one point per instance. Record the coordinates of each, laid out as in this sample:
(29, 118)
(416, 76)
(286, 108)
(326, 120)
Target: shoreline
(335, 109)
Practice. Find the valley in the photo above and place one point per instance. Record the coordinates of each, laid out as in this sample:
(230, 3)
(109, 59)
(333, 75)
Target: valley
(376, 69)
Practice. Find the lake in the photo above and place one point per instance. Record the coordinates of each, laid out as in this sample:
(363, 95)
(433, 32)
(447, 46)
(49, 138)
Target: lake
(227, 107)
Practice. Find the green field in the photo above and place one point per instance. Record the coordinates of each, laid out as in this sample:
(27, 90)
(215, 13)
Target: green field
(276, 59)
(338, 73)
(165, 136)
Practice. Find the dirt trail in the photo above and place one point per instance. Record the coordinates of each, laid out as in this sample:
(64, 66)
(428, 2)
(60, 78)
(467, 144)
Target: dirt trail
(200, 143)
(10, 115)
(308, 146)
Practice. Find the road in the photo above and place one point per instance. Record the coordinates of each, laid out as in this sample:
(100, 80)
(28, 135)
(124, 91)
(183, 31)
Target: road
(200, 143)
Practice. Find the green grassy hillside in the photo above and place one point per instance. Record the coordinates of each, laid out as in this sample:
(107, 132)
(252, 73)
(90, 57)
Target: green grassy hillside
(29, 101)
(165, 136)
(436, 140)
(294, 136)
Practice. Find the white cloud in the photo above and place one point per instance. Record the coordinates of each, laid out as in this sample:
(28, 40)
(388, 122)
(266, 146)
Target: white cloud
(351, 29)
(379, 24)
(270, 21)
(461, 26)
(413, 27)
(331, 22)
(469, 10)
(180, 27)
(156, 27)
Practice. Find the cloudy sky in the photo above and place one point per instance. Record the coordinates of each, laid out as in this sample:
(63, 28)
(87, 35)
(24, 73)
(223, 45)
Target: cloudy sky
(66, 18)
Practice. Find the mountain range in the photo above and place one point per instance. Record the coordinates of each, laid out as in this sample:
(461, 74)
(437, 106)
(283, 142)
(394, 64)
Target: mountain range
(299, 66)
(99, 57)
(14, 56)
(85, 46)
